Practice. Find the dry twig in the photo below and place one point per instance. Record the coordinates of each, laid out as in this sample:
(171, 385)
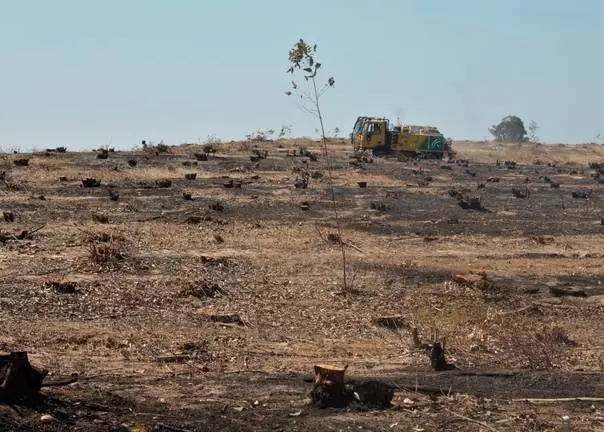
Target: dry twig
(471, 420)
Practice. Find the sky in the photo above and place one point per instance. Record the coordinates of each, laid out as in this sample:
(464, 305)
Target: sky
(86, 74)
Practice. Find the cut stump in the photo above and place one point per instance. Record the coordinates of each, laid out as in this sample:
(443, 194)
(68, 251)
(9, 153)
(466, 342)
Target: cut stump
(329, 389)
(19, 380)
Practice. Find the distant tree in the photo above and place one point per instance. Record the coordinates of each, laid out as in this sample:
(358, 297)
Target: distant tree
(258, 136)
(285, 130)
(510, 129)
(532, 132)
(212, 139)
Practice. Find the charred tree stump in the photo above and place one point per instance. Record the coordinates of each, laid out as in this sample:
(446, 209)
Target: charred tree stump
(329, 389)
(91, 182)
(114, 195)
(437, 358)
(8, 216)
(19, 380)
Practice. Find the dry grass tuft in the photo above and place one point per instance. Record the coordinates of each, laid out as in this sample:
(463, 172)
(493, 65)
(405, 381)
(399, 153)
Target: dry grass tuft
(62, 286)
(100, 218)
(106, 253)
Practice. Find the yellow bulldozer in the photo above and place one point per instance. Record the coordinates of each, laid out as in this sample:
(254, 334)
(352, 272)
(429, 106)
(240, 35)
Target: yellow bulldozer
(375, 134)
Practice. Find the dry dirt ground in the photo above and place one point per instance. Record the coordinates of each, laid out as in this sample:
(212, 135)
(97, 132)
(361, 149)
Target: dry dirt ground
(209, 313)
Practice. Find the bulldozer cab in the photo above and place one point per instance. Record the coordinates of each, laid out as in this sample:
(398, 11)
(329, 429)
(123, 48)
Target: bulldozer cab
(369, 133)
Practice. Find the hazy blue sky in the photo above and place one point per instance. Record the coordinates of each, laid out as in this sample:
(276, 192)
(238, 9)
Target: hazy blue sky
(84, 74)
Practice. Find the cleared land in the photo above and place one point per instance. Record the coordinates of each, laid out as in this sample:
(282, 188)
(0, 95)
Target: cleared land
(209, 312)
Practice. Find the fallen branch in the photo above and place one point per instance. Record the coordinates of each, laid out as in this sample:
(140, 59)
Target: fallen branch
(523, 309)
(172, 428)
(471, 420)
(59, 382)
(555, 400)
(353, 246)
(28, 234)
(345, 243)
(152, 218)
(22, 236)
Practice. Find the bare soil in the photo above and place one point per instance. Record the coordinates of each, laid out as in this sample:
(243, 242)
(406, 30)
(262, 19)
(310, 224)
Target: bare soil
(202, 303)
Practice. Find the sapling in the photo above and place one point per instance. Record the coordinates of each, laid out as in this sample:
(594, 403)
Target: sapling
(302, 61)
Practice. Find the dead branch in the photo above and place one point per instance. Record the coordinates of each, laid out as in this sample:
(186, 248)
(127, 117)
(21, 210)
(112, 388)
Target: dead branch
(345, 243)
(27, 234)
(152, 218)
(172, 428)
(471, 420)
(321, 234)
(522, 309)
(353, 246)
(556, 400)
(61, 381)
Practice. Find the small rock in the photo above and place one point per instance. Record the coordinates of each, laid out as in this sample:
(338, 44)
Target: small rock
(46, 418)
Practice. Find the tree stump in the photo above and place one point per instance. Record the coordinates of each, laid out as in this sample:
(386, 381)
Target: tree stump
(8, 216)
(329, 389)
(91, 182)
(19, 380)
(438, 360)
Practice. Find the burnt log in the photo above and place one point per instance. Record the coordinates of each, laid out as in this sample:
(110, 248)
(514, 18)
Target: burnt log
(372, 394)
(568, 292)
(330, 390)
